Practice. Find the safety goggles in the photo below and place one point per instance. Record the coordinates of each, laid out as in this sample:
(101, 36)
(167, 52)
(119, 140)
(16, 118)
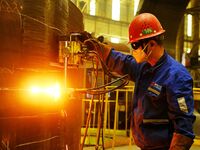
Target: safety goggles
(136, 45)
(143, 44)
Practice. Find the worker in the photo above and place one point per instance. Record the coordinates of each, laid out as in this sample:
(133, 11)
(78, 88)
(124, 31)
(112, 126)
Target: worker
(163, 102)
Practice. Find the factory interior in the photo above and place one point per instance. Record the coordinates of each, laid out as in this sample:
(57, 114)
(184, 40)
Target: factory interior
(57, 95)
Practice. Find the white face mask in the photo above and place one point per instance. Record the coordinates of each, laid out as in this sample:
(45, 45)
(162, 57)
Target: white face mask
(140, 55)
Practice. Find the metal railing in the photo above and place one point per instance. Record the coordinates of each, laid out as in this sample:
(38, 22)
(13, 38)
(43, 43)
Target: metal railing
(119, 103)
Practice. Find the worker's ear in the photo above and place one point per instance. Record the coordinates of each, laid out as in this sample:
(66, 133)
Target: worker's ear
(152, 43)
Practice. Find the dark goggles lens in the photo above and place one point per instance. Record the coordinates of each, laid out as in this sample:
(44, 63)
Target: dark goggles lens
(136, 45)
(142, 43)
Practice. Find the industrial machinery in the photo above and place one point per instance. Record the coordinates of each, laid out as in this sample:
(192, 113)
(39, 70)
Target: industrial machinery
(76, 53)
(42, 64)
(37, 112)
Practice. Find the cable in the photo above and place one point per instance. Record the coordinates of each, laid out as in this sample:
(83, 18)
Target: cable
(101, 91)
(96, 46)
(89, 113)
(36, 142)
(106, 71)
(30, 116)
(36, 20)
(108, 84)
(100, 123)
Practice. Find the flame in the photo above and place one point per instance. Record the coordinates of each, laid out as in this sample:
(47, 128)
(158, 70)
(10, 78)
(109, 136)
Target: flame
(53, 91)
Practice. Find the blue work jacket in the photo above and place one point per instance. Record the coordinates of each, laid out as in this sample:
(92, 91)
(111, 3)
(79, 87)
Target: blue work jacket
(163, 99)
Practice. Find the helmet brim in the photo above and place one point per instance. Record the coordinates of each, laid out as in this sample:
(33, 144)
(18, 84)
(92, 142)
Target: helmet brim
(146, 36)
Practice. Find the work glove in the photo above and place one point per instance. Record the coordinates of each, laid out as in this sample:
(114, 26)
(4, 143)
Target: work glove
(180, 142)
(84, 36)
(103, 50)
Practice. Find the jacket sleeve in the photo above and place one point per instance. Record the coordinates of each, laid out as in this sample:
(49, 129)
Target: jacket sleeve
(123, 64)
(181, 103)
(117, 62)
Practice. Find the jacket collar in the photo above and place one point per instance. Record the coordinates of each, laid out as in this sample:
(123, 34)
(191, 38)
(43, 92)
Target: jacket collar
(159, 63)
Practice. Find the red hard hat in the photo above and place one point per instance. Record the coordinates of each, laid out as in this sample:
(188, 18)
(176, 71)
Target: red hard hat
(144, 26)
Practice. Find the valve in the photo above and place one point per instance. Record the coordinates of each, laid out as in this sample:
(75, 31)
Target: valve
(70, 48)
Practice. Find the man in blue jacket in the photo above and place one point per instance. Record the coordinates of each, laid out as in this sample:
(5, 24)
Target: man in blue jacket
(163, 98)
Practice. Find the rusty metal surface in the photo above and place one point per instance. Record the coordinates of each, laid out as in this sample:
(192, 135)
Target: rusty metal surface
(29, 33)
(29, 30)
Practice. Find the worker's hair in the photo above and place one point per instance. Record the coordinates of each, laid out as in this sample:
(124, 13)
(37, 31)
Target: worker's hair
(159, 39)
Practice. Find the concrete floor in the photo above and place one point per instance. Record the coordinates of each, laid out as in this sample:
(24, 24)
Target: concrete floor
(136, 148)
(133, 147)
(122, 143)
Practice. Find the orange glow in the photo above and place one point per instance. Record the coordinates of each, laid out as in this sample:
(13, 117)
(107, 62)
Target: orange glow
(52, 91)
(35, 90)
(46, 92)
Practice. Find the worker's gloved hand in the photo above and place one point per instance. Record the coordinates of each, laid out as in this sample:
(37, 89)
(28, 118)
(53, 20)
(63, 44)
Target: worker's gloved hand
(103, 50)
(84, 36)
(180, 142)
